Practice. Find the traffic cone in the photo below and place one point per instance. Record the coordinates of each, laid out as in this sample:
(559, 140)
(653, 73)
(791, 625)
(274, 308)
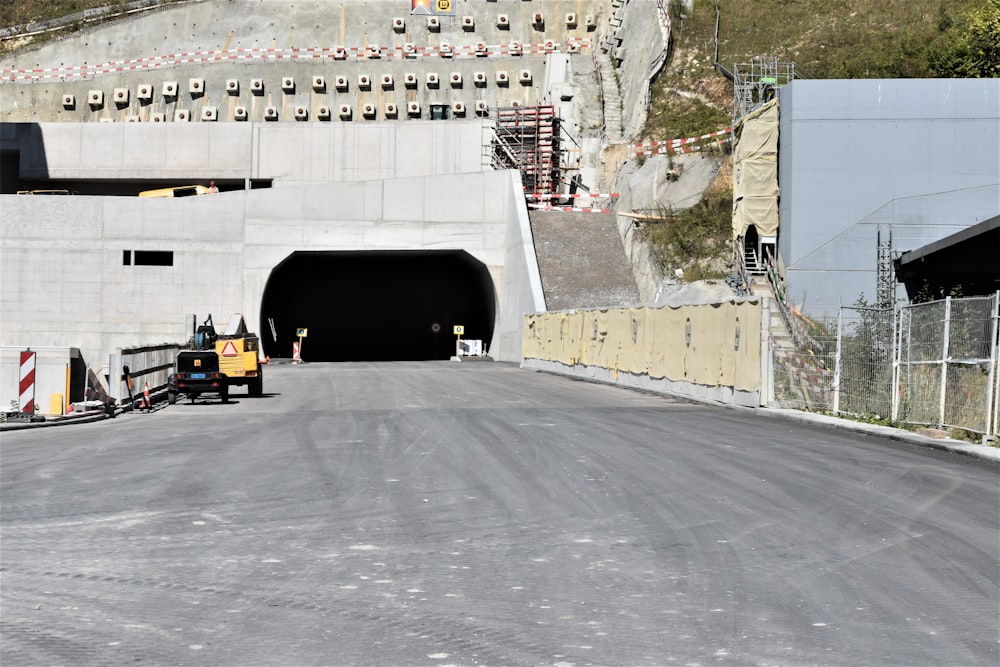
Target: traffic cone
(146, 403)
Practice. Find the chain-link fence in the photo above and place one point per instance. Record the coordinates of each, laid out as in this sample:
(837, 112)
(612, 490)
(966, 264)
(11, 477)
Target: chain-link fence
(862, 383)
(804, 356)
(933, 364)
(947, 364)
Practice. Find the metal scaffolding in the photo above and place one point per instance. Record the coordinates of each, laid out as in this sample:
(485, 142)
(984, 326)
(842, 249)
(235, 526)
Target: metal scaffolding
(757, 82)
(527, 139)
(885, 288)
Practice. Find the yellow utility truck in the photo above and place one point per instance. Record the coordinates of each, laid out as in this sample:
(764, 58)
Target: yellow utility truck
(238, 351)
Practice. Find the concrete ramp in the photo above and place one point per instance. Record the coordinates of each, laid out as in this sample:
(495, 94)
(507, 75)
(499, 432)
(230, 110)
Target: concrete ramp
(581, 260)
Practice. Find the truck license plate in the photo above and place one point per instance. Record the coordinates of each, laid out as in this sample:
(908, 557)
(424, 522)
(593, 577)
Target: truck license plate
(197, 376)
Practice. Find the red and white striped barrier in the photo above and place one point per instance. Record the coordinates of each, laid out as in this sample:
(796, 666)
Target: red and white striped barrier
(597, 195)
(407, 51)
(26, 383)
(688, 145)
(575, 209)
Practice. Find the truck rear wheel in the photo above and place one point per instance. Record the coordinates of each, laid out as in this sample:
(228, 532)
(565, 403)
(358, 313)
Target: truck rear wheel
(225, 394)
(171, 397)
(256, 386)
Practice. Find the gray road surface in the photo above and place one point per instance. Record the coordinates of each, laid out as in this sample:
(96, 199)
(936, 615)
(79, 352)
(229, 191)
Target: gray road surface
(446, 513)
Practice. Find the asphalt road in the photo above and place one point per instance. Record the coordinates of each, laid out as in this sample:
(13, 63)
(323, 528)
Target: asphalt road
(447, 513)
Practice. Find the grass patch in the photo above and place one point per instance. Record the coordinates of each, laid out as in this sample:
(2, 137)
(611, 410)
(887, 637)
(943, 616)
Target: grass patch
(21, 12)
(696, 239)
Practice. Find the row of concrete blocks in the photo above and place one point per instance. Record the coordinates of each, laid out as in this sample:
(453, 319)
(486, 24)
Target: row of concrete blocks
(196, 86)
(369, 111)
(502, 21)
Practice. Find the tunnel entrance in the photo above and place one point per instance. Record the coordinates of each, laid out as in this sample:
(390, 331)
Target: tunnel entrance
(376, 306)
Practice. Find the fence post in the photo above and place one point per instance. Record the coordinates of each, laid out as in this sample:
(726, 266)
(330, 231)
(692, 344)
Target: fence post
(944, 358)
(837, 363)
(114, 377)
(992, 377)
(897, 353)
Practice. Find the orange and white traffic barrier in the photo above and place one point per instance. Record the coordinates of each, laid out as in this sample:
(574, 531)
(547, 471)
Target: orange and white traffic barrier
(146, 403)
(295, 352)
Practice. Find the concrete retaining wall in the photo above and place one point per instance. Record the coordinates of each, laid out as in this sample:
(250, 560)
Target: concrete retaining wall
(65, 280)
(716, 351)
(286, 154)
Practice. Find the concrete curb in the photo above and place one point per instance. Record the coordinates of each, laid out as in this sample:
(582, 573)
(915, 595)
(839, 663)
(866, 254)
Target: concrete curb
(944, 444)
(61, 420)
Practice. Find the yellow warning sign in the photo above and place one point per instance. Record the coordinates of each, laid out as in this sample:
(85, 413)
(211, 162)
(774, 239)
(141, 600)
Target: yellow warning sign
(230, 350)
(458, 330)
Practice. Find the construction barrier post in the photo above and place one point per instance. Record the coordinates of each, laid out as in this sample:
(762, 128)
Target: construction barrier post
(26, 383)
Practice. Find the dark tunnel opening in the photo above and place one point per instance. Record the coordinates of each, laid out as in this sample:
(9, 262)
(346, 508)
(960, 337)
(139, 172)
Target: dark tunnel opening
(376, 305)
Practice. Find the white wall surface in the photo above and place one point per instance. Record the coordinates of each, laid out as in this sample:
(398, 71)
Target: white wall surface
(919, 155)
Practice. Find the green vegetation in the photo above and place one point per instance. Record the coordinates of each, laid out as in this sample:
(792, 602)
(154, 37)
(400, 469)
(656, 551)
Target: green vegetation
(824, 39)
(21, 12)
(27, 12)
(693, 239)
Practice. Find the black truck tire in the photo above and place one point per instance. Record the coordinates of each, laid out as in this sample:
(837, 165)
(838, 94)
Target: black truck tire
(171, 397)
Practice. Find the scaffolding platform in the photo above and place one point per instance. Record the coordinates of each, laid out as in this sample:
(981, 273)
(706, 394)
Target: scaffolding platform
(528, 139)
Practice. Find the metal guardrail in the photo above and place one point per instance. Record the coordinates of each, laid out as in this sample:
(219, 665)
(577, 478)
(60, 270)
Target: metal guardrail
(151, 364)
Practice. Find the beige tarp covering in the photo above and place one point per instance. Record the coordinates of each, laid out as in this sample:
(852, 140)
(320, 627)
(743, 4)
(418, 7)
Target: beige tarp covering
(755, 172)
(711, 344)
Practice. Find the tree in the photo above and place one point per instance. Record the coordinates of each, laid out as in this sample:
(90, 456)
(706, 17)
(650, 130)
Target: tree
(968, 47)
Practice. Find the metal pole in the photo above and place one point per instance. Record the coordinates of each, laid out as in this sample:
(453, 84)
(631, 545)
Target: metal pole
(991, 381)
(944, 358)
(837, 363)
(897, 338)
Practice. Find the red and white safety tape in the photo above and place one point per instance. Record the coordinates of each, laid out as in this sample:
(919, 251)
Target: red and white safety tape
(688, 145)
(540, 195)
(681, 142)
(294, 53)
(546, 207)
(673, 149)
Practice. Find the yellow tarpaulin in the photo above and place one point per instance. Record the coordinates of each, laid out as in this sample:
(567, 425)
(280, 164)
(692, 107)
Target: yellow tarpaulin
(755, 172)
(708, 344)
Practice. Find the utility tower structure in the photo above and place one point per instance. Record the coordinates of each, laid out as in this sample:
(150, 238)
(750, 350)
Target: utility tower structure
(757, 82)
(885, 281)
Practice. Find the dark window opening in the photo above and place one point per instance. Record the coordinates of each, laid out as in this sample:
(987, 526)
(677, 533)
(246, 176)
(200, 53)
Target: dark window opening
(439, 111)
(126, 258)
(154, 258)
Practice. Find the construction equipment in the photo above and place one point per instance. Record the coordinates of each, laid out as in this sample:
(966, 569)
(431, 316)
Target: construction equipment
(197, 372)
(237, 350)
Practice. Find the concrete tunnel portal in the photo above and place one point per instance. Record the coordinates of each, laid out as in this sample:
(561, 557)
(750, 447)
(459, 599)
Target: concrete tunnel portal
(376, 305)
